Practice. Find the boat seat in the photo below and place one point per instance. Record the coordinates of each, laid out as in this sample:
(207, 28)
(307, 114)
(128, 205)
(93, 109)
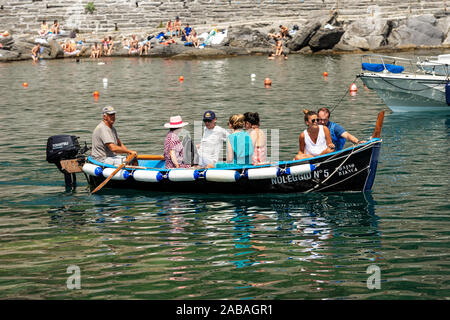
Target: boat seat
(152, 163)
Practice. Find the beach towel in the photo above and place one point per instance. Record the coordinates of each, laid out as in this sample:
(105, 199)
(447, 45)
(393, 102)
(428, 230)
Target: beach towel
(219, 37)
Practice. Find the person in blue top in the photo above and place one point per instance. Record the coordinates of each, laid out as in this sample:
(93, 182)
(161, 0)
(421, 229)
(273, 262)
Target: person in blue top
(239, 144)
(338, 133)
(186, 32)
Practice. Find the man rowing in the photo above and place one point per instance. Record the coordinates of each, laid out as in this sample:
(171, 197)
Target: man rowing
(105, 141)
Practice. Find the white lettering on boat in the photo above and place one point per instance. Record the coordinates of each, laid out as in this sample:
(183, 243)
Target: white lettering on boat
(318, 174)
(347, 169)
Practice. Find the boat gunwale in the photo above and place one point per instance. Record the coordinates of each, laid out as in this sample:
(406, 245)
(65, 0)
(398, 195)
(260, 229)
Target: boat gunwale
(405, 76)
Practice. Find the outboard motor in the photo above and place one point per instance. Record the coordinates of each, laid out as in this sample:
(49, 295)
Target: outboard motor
(65, 147)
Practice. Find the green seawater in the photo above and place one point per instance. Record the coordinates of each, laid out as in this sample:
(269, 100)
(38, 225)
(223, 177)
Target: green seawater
(131, 245)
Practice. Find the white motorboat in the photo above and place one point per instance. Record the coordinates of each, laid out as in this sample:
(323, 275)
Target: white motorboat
(405, 86)
(438, 65)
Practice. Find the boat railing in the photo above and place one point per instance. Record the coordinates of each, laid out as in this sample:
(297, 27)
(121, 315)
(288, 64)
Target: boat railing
(385, 64)
(434, 65)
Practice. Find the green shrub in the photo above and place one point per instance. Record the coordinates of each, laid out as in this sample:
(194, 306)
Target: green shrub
(90, 7)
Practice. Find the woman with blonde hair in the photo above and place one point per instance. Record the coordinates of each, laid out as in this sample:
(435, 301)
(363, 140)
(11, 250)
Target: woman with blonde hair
(315, 140)
(239, 144)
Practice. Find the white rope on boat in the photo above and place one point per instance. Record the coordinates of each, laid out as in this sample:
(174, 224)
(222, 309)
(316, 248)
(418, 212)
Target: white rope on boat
(335, 170)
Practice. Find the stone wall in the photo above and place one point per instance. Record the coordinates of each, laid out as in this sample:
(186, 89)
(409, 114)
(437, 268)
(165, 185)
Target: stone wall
(26, 15)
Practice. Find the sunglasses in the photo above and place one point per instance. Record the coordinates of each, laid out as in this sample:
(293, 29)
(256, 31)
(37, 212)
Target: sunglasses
(320, 120)
(314, 120)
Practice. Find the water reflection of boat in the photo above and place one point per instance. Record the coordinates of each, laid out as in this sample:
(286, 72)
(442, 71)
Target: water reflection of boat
(405, 85)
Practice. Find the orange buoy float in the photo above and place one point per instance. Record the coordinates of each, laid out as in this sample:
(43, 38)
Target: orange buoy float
(353, 87)
(96, 94)
(325, 74)
(25, 84)
(267, 82)
(181, 78)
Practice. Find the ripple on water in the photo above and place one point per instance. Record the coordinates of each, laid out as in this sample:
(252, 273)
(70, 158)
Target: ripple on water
(166, 246)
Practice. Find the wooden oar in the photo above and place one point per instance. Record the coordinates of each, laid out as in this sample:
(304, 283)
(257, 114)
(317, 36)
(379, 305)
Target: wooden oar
(379, 125)
(127, 161)
(150, 157)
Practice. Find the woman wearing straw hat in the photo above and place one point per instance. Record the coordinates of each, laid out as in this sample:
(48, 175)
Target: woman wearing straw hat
(173, 147)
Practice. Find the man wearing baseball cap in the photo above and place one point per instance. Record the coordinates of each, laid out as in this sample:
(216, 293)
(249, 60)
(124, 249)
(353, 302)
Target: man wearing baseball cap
(105, 141)
(213, 138)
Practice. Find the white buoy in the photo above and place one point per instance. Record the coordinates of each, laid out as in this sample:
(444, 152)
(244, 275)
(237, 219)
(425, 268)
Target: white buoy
(253, 76)
(263, 173)
(92, 169)
(182, 175)
(222, 175)
(105, 83)
(300, 169)
(120, 175)
(147, 176)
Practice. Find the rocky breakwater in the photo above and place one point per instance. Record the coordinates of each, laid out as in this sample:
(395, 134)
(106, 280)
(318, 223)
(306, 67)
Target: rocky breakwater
(419, 32)
(318, 34)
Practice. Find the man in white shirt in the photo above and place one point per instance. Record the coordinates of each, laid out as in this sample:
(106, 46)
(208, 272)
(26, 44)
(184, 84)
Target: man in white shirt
(213, 138)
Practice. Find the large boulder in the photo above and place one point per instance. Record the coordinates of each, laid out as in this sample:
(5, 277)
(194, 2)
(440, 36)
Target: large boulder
(195, 53)
(326, 39)
(444, 25)
(6, 42)
(23, 48)
(246, 38)
(7, 55)
(55, 49)
(365, 34)
(303, 36)
(417, 31)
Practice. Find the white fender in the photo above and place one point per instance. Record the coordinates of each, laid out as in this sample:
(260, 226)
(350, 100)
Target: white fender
(300, 169)
(92, 169)
(183, 175)
(222, 175)
(120, 175)
(263, 173)
(147, 175)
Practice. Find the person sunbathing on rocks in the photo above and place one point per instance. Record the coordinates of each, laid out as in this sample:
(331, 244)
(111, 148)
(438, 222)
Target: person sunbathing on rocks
(177, 27)
(55, 28)
(95, 51)
(44, 29)
(169, 28)
(194, 39)
(134, 44)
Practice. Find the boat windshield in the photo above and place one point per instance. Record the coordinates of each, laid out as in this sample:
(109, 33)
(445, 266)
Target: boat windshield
(435, 65)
